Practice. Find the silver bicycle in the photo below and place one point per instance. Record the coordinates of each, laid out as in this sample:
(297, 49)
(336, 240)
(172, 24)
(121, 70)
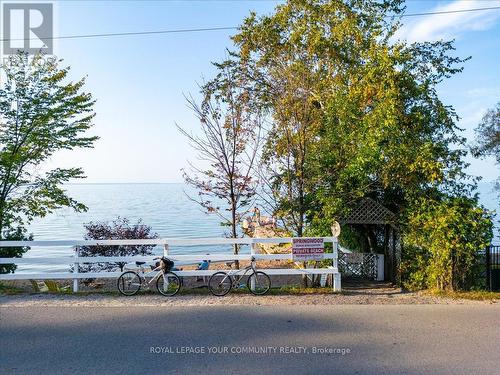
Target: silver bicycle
(167, 282)
(258, 282)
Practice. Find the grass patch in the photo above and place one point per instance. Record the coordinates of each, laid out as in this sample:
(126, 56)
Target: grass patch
(477, 295)
(201, 291)
(300, 290)
(8, 289)
(11, 288)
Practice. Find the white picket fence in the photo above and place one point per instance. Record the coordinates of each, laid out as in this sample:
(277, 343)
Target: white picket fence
(166, 243)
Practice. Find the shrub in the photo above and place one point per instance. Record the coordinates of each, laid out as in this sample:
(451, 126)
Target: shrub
(443, 244)
(119, 229)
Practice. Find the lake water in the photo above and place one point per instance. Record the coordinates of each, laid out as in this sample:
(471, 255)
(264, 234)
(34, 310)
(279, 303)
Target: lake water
(165, 207)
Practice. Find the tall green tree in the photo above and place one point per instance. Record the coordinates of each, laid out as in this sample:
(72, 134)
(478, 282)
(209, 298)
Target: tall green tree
(333, 69)
(316, 67)
(352, 113)
(40, 113)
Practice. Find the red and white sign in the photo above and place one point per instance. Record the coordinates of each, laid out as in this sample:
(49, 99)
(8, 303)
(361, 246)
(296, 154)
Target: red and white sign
(304, 249)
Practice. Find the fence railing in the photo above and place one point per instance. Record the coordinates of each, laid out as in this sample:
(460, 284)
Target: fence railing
(492, 255)
(166, 243)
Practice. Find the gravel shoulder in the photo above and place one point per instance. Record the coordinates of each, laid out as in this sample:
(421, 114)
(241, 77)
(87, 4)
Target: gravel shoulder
(381, 294)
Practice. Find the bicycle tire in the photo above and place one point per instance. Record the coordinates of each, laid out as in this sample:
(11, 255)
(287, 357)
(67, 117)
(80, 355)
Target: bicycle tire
(214, 285)
(174, 284)
(121, 282)
(264, 283)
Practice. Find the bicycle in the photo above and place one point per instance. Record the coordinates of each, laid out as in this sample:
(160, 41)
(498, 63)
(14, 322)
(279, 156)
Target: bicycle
(258, 282)
(167, 282)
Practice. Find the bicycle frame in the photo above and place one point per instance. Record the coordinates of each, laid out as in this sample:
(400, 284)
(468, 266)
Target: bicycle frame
(236, 275)
(143, 274)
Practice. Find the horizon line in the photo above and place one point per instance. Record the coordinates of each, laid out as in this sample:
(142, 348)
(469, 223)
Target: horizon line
(173, 182)
(122, 183)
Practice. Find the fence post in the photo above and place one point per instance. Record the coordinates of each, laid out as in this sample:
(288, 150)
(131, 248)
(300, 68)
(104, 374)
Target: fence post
(253, 251)
(488, 269)
(336, 282)
(76, 251)
(335, 250)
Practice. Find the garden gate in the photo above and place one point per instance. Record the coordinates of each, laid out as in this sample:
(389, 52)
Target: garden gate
(492, 267)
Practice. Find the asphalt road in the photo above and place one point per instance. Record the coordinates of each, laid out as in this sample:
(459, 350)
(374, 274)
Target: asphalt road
(364, 339)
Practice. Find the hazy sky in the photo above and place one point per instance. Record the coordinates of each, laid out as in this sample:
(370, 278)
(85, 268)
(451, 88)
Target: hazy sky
(139, 81)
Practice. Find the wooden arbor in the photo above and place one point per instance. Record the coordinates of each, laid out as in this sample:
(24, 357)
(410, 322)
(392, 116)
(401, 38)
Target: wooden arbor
(380, 228)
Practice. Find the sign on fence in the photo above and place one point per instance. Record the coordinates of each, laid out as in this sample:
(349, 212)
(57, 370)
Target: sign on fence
(304, 249)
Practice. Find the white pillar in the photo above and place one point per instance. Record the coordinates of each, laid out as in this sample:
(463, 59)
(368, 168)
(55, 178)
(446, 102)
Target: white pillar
(335, 263)
(337, 287)
(380, 267)
(336, 277)
(76, 252)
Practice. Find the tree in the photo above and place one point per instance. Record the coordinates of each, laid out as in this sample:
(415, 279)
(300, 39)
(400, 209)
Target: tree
(374, 123)
(314, 65)
(118, 229)
(229, 142)
(488, 136)
(40, 114)
(352, 114)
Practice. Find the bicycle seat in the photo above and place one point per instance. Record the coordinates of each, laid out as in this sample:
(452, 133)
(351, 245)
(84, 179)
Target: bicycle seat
(140, 263)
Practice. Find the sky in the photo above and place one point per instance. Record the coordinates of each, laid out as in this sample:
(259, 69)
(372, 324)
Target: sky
(140, 82)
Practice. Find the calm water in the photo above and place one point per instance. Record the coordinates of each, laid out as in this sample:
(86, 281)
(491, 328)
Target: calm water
(165, 207)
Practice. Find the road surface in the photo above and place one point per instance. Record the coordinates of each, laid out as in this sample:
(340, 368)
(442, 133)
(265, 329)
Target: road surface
(341, 339)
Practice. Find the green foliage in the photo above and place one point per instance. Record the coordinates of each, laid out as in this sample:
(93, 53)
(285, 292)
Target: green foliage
(40, 114)
(351, 239)
(13, 234)
(354, 114)
(443, 243)
(304, 62)
(414, 267)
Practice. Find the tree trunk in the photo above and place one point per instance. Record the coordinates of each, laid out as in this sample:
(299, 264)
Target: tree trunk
(234, 233)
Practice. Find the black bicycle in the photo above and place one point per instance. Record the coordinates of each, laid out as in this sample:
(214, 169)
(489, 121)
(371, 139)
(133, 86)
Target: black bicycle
(258, 282)
(167, 282)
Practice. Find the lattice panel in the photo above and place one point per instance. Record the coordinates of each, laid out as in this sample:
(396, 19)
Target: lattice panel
(369, 211)
(362, 265)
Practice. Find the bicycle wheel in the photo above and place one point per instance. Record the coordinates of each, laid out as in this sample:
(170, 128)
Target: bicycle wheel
(220, 283)
(168, 284)
(261, 283)
(129, 283)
